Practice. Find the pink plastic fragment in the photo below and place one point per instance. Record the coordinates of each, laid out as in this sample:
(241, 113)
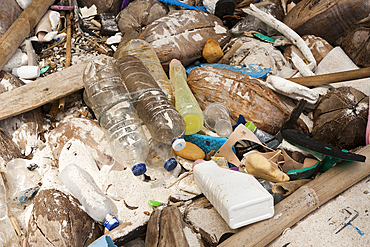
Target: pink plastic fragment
(58, 7)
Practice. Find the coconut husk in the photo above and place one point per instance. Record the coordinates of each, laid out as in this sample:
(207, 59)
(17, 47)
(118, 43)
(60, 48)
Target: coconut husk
(340, 118)
(171, 38)
(356, 42)
(320, 18)
(242, 95)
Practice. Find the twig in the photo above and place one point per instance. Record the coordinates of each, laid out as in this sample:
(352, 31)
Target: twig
(184, 175)
(62, 101)
(231, 51)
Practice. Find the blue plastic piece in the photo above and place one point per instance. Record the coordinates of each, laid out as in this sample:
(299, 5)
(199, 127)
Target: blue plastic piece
(241, 120)
(184, 5)
(139, 169)
(111, 223)
(103, 241)
(206, 143)
(253, 70)
(170, 164)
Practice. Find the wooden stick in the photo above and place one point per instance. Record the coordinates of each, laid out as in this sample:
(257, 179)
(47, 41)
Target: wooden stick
(302, 202)
(318, 80)
(231, 52)
(62, 101)
(20, 29)
(184, 175)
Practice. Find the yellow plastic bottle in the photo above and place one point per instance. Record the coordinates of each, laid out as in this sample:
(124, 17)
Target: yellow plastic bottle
(185, 102)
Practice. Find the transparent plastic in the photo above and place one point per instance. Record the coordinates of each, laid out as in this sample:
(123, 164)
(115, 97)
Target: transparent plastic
(8, 236)
(161, 154)
(217, 118)
(80, 184)
(185, 102)
(21, 187)
(163, 121)
(145, 52)
(117, 116)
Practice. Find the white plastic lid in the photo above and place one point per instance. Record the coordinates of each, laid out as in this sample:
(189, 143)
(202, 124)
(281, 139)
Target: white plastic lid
(178, 144)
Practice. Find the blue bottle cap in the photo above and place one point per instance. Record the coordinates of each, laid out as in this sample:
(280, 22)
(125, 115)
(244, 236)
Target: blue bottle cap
(111, 222)
(139, 169)
(170, 164)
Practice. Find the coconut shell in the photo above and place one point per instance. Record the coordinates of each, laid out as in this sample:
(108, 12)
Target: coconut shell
(182, 35)
(340, 118)
(140, 13)
(9, 12)
(242, 95)
(326, 19)
(356, 42)
(58, 219)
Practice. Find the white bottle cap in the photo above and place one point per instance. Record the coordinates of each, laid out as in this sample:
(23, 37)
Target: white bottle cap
(178, 144)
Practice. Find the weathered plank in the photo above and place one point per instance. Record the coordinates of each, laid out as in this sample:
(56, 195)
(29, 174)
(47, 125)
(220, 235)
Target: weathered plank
(41, 91)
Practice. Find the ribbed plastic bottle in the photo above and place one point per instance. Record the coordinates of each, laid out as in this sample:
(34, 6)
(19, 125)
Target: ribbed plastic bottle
(145, 52)
(96, 204)
(8, 237)
(116, 114)
(263, 136)
(185, 102)
(163, 121)
(161, 154)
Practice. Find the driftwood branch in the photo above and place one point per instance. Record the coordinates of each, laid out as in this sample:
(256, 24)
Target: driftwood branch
(42, 91)
(20, 29)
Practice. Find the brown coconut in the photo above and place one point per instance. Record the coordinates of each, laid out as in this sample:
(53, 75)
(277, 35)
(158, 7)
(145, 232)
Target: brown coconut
(242, 95)
(326, 19)
(182, 35)
(356, 42)
(340, 118)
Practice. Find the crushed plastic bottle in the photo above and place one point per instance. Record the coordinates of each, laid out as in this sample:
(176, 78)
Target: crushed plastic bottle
(8, 237)
(116, 114)
(163, 121)
(185, 102)
(96, 204)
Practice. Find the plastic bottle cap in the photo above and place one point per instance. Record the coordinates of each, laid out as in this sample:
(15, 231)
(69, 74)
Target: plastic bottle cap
(139, 169)
(250, 126)
(170, 164)
(178, 144)
(111, 222)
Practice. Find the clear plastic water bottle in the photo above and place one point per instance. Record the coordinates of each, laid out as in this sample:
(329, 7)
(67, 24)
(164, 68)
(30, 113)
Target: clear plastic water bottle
(8, 237)
(163, 121)
(263, 136)
(96, 204)
(185, 102)
(116, 114)
(145, 52)
(161, 154)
